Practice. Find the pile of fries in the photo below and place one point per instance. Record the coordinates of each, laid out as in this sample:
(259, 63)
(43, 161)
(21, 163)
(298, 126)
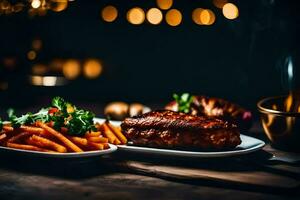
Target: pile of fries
(112, 133)
(43, 137)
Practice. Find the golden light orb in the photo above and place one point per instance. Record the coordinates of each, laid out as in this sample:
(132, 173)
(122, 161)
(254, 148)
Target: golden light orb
(36, 3)
(136, 16)
(173, 17)
(230, 11)
(71, 69)
(207, 17)
(154, 16)
(92, 68)
(164, 4)
(31, 55)
(196, 15)
(109, 13)
(203, 16)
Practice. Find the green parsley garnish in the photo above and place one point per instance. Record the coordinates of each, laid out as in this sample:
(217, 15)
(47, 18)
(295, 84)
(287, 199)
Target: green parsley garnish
(184, 102)
(28, 118)
(61, 113)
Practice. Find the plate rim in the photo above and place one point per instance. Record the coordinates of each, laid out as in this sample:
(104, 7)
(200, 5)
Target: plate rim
(150, 150)
(112, 149)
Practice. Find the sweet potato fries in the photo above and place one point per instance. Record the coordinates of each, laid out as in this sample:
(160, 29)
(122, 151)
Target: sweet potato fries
(41, 136)
(60, 128)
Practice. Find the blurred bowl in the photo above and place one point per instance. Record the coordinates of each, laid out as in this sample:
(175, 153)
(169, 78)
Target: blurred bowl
(282, 128)
(120, 110)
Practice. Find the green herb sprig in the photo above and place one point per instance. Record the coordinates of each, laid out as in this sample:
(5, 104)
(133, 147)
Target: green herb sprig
(28, 118)
(61, 113)
(184, 102)
(77, 121)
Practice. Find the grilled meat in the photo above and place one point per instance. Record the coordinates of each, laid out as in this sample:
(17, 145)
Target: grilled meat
(216, 107)
(174, 129)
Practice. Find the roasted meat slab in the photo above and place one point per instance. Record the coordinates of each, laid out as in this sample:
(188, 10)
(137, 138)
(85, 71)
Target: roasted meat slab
(216, 107)
(174, 129)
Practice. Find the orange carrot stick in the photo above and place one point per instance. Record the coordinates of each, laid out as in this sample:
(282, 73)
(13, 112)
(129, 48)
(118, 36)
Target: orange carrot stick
(26, 147)
(98, 139)
(60, 137)
(117, 132)
(46, 143)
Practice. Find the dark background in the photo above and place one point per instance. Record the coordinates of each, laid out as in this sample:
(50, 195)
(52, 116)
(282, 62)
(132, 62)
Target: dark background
(240, 60)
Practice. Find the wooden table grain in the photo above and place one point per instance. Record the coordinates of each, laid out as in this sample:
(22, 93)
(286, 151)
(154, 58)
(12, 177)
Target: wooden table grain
(135, 176)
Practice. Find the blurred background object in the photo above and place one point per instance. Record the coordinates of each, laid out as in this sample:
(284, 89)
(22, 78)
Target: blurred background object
(121, 110)
(145, 50)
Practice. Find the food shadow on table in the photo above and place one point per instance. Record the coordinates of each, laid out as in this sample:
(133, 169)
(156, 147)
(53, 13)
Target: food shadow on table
(69, 168)
(253, 172)
(248, 173)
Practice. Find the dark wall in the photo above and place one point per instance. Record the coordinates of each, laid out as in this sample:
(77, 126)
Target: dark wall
(239, 60)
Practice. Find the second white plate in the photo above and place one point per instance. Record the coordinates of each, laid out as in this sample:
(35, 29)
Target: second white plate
(248, 145)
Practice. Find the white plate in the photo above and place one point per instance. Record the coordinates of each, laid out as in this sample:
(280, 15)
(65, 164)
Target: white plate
(60, 155)
(248, 145)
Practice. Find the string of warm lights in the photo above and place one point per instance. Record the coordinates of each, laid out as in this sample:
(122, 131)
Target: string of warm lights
(173, 16)
(92, 68)
(136, 15)
(34, 7)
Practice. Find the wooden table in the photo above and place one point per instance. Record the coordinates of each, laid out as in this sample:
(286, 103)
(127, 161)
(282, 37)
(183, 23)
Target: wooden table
(133, 176)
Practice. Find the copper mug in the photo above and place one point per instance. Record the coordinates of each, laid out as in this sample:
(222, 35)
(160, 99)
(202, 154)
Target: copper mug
(281, 127)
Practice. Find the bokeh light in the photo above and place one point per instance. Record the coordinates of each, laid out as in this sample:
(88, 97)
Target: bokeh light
(173, 17)
(203, 16)
(92, 68)
(164, 4)
(35, 3)
(109, 13)
(230, 11)
(31, 55)
(58, 5)
(71, 69)
(220, 3)
(47, 80)
(196, 15)
(136, 16)
(154, 16)
(207, 17)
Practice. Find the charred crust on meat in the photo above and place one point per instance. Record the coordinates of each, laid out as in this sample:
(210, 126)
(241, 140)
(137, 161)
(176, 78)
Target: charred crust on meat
(164, 128)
